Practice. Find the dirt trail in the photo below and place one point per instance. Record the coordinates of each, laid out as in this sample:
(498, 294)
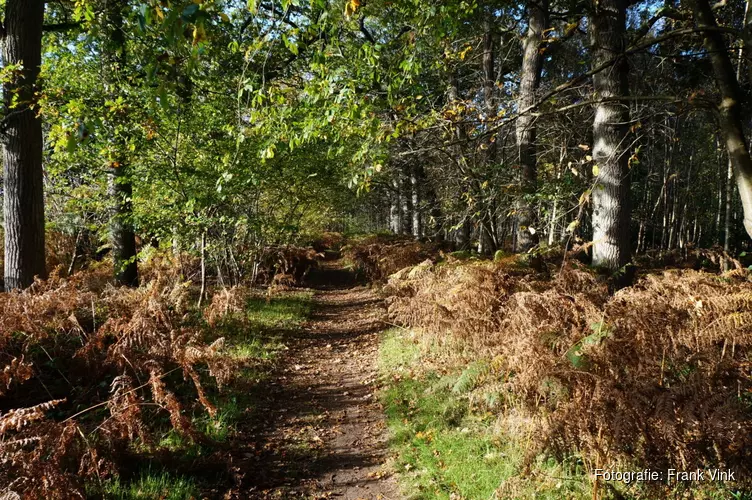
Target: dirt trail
(321, 426)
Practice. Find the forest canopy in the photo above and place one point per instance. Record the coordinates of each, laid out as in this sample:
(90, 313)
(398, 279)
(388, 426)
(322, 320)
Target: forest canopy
(501, 125)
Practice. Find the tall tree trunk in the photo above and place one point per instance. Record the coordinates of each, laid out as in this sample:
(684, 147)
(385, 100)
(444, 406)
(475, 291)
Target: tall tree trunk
(729, 110)
(120, 188)
(406, 205)
(394, 208)
(727, 214)
(611, 204)
(532, 64)
(719, 190)
(23, 181)
(487, 217)
(415, 192)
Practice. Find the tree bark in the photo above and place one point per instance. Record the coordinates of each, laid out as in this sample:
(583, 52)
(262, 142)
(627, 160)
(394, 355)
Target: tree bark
(487, 217)
(729, 111)
(532, 64)
(394, 207)
(23, 180)
(120, 187)
(406, 204)
(415, 193)
(611, 204)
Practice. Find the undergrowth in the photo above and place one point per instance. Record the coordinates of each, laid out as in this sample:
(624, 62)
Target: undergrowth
(376, 257)
(656, 375)
(445, 449)
(107, 389)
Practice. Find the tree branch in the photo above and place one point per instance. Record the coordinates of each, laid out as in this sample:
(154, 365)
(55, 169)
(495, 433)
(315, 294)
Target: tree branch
(60, 27)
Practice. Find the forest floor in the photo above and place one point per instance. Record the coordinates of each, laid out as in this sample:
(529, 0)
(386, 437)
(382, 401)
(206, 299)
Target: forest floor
(320, 430)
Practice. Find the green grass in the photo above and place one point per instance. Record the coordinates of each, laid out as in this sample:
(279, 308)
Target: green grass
(287, 311)
(151, 485)
(443, 448)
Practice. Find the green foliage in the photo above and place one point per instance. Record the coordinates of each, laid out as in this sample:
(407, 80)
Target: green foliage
(471, 376)
(150, 485)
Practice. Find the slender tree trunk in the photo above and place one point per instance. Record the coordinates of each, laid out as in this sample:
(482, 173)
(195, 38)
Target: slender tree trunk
(406, 219)
(202, 294)
(486, 222)
(719, 190)
(417, 226)
(23, 181)
(394, 208)
(730, 108)
(120, 187)
(532, 64)
(611, 204)
(727, 214)
(462, 235)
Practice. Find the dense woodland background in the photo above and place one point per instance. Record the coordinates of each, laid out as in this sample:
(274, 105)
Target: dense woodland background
(201, 148)
(493, 125)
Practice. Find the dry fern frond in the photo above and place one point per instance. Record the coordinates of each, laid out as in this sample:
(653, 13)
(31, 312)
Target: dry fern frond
(651, 374)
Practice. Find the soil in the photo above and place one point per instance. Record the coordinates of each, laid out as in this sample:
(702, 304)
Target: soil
(320, 430)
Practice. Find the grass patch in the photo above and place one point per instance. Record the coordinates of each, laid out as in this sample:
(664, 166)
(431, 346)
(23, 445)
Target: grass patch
(151, 485)
(445, 450)
(287, 311)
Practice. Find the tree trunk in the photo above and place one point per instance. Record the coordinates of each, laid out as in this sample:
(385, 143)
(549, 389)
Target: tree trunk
(120, 188)
(23, 180)
(415, 192)
(462, 235)
(202, 293)
(719, 190)
(730, 108)
(394, 207)
(611, 204)
(727, 214)
(532, 64)
(406, 205)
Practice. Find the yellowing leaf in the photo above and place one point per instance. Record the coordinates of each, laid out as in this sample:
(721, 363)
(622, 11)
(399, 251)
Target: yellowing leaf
(224, 17)
(596, 169)
(351, 6)
(584, 197)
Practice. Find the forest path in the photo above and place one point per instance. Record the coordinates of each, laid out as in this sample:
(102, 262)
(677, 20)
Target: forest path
(322, 428)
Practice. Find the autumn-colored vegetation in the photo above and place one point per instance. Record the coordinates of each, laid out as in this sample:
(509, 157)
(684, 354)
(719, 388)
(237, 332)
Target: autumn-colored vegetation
(94, 376)
(655, 375)
(376, 257)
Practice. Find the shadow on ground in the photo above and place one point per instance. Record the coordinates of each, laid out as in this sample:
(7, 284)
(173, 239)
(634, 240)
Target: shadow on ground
(317, 429)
